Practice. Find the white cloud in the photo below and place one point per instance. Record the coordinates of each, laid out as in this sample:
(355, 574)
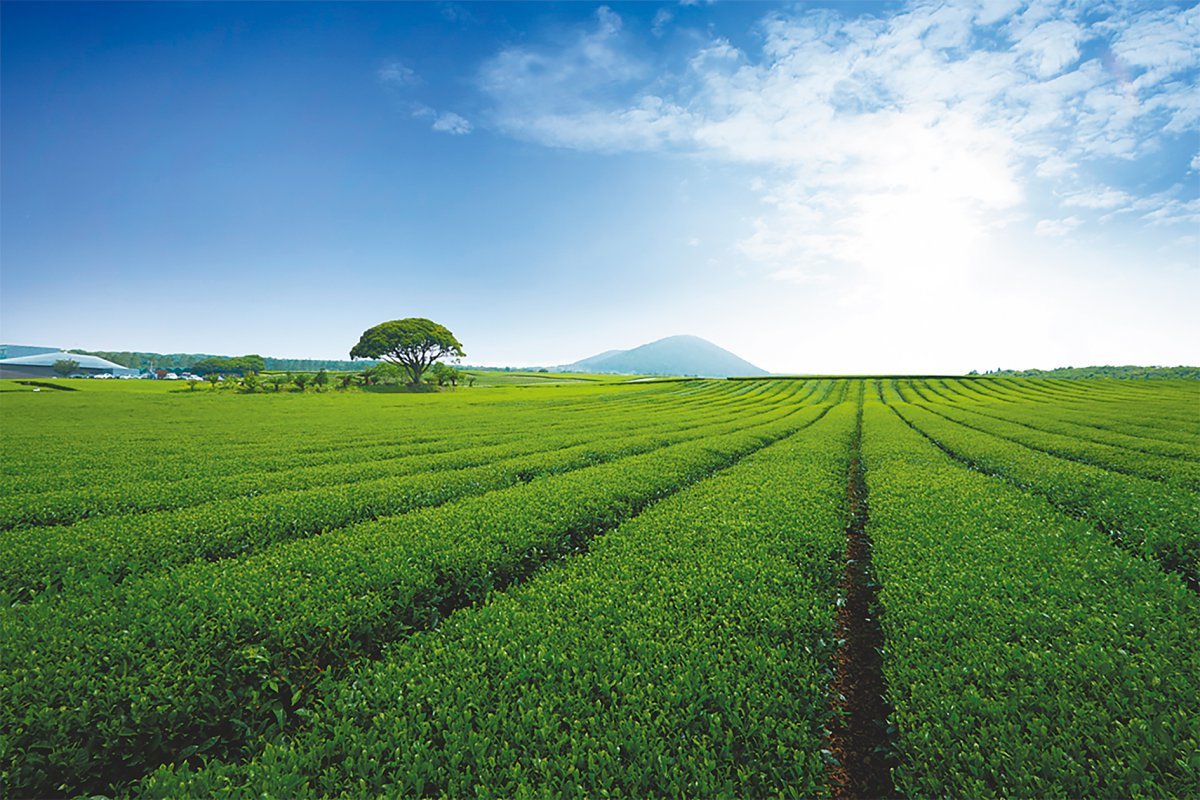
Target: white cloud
(1050, 47)
(989, 12)
(395, 73)
(443, 121)
(457, 13)
(548, 95)
(1057, 227)
(1103, 198)
(1160, 42)
(895, 145)
(1163, 209)
(661, 19)
(1053, 166)
(449, 122)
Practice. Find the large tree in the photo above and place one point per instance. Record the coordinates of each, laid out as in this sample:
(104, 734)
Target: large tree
(413, 344)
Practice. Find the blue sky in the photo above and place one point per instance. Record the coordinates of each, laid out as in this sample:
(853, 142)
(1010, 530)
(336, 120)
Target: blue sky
(845, 187)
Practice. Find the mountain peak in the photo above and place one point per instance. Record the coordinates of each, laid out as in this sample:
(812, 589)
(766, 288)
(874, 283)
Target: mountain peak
(674, 355)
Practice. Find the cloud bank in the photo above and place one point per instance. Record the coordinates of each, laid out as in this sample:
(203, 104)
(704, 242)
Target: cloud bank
(889, 143)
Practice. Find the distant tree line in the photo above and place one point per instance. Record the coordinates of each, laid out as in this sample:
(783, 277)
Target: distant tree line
(1119, 373)
(172, 361)
(241, 365)
(177, 362)
(315, 365)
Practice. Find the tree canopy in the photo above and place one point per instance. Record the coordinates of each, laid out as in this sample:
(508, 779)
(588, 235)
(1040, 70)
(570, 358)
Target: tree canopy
(444, 374)
(65, 366)
(413, 344)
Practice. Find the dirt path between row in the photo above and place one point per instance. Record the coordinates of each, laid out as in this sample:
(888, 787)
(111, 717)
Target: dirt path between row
(859, 740)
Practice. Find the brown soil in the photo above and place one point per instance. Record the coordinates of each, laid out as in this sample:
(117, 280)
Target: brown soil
(859, 740)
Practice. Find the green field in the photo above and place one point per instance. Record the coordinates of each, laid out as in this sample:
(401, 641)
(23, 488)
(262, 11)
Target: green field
(587, 588)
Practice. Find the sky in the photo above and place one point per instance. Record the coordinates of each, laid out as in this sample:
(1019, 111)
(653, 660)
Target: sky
(818, 187)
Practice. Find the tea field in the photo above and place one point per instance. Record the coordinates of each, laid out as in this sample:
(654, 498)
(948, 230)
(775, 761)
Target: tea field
(921, 587)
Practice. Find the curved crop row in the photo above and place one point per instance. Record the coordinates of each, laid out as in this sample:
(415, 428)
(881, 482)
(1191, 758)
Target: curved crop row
(687, 654)
(937, 394)
(67, 506)
(1161, 407)
(466, 449)
(363, 433)
(1025, 656)
(112, 548)
(978, 390)
(211, 655)
(1144, 465)
(1080, 426)
(1151, 518)
(238, 435)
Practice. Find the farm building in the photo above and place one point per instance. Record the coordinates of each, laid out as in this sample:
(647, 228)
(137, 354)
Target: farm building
(41, 365)
(18, 350)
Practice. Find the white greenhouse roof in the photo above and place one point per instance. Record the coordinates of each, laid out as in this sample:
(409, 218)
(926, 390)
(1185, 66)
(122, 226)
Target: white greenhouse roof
(48, 359)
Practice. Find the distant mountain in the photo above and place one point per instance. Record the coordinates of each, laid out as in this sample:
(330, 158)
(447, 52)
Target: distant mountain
(586, 364)
(675, 355)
